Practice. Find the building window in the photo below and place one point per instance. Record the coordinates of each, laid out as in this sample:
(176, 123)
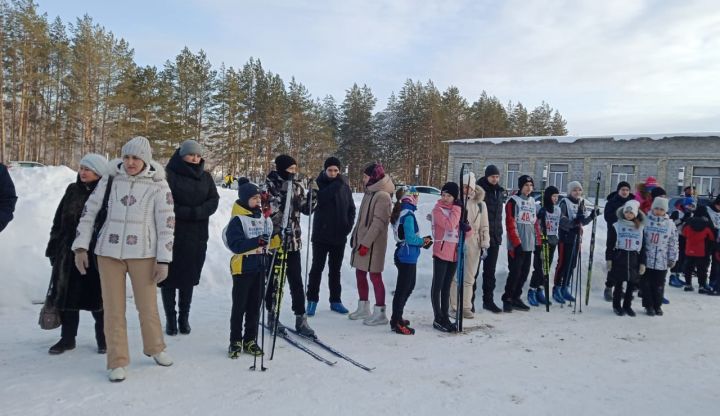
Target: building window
(706, 180)
(513, 173)
(622, 173)
(559, 175)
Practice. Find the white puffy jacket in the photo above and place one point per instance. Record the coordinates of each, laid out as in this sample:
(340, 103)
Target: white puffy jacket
(140, 217)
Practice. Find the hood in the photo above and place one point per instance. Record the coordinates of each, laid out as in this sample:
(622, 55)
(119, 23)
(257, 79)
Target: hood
(239, 209)
(323, 181)
(181, 167)
(153, 170)
(384, 184)
(479, 194)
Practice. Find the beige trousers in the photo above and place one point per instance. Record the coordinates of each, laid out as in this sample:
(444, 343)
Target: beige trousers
(472, 260)
(112, 281)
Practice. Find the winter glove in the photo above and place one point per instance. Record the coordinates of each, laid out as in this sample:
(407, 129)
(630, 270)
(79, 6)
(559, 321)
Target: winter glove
(81, 261)
(161, 272)
(641, 270)
(671, 264)
(609, 265)
(511, 253)
(363, 251)
(465, 226)
(427, 242)
(429, 217)
(263, 240)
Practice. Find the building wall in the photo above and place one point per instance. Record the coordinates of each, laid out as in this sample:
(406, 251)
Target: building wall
(661, 158)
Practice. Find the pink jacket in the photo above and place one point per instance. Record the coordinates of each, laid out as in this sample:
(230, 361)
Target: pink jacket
(445, 224)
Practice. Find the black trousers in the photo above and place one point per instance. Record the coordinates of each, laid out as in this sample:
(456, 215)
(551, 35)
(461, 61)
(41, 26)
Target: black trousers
(652, 284)
(443, 273)
(518, 270)
(567, 261)
(624, 269)
(294, 279)
(715, 269)
(71, 321)
(680, 263)
(334, 256)
(538, 278)
(246, 300)
(698, 265)
(403, 288)
(488, 274)
(184, 299)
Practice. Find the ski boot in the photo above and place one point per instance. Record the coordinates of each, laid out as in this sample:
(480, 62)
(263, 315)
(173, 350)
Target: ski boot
(557, 296)
(566, 294)
(399, 328)
(532, 297)
(311, 307)
(338, 307)
(445, 326)
(251, 347)
(271, 324)
(235, 349)
(540, 296)
(302, 327)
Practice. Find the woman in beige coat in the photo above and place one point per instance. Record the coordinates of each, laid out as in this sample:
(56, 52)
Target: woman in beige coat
(476, 245)
(369, 243)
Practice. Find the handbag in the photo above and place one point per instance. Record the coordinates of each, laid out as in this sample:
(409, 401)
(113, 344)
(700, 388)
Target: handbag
(49, 314)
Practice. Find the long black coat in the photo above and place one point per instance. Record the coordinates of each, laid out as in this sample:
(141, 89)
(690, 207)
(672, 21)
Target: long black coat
(334, 212)
(494, 201)
(71, 290)
(7, 197)
(196, 199)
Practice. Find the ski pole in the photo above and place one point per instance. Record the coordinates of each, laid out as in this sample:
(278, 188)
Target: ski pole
(592, 240)
(310, 215)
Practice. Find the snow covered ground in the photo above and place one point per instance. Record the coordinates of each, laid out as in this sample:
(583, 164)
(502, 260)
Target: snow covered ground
(519, 363)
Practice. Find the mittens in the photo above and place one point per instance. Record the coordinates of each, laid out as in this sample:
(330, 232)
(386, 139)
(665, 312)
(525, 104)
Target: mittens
(363, 251)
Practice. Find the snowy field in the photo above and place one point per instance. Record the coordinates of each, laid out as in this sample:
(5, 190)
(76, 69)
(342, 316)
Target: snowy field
(520, 363)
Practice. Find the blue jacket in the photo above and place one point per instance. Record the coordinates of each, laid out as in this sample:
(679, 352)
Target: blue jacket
(408, 246)
(241, 237)
(7, 197)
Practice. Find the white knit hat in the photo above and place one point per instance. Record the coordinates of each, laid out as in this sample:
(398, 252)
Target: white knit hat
(574, 185)
(661, 203)
(631, 206)
(468, 179)
(95, 163)
(139, 147)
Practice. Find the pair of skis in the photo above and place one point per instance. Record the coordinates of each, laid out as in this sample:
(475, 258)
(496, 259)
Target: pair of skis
(461, 253)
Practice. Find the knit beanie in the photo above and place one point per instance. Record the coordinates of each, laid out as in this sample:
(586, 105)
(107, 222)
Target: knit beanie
(631, 206)
(657, 192)
(332, 161)
(650, 183)
(491, 170)
(661, 202)
(411, 196)
(190, 147)
(574, 185)
(282, 163)
(95, 163)
(451, 188)
(522, 180)
(469, 180)
(139, 147)
(688, 200)
(623, 184)
(375, 171)
(246, 190)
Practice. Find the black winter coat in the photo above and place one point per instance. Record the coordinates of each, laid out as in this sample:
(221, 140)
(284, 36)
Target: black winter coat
(334, 212)
(71, 290)
(196, 199)
(494, 201)
(7, 197)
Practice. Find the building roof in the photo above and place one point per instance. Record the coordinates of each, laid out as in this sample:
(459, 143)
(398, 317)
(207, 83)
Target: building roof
(573, 139)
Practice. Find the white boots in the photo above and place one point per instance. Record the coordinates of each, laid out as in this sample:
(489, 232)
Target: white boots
(162, 358)
(120, 373)
(117, 374)
(378, 317)
(362, 312)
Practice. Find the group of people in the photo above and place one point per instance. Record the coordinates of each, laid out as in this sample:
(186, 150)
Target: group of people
(132, 216)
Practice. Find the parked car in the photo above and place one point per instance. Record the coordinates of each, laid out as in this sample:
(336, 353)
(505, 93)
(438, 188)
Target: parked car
(24, 164)
(423, 189)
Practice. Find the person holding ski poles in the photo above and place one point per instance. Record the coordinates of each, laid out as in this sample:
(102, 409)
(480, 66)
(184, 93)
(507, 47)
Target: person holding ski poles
(494, 197)
(660, 245)
(614, 201)
(334, 218)
(277, 184)
(369, 243)
(476, 245)
(407, 251)
(627, 261)
(523, 236)
(445, 231)
(549, 220)
(248, 236)
(572, 221)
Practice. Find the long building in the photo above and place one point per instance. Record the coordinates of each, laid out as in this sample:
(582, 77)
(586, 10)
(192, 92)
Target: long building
(676, 160)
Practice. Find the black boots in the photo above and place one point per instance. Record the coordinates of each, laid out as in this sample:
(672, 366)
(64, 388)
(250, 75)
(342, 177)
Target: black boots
(65, 344)
(183, 323)
(168, 300)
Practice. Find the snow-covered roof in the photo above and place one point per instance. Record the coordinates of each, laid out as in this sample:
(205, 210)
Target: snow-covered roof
(573, 139)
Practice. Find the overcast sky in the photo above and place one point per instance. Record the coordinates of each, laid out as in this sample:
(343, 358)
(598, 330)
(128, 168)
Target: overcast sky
(612, 66)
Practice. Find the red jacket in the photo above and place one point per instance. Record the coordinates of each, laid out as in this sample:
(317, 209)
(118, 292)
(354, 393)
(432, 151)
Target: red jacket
(696, 238)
